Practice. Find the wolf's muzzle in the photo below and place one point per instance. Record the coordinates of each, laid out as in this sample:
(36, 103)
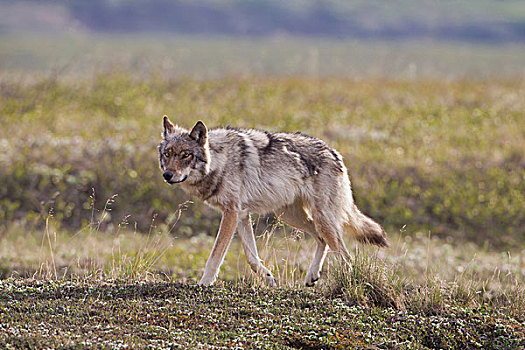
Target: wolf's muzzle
(168, 177)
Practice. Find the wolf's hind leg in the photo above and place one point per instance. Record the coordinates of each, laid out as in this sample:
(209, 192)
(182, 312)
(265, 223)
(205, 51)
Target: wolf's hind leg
(332, 235)
(314, 271)
(250, 250)
(296, 216)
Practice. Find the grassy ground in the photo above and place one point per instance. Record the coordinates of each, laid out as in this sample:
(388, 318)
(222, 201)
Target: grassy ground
(124, 254)
(117, 287)
(95, 251)
(114, 289)
(113, 314)
(121, 288)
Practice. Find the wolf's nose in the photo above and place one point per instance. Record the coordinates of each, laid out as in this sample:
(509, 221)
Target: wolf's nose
(167, 175)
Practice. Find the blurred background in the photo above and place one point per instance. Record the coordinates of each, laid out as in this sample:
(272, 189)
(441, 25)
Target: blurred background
(425, 100)
(205, 38)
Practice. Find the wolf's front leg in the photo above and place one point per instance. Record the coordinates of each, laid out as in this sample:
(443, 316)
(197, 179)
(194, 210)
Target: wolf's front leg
(222, 242)
(250, 250)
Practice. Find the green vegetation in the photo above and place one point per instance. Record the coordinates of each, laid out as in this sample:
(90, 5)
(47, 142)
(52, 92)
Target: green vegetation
(40, 314)
(444, 157)
(120, 288)
(96, 251)
(439, 163)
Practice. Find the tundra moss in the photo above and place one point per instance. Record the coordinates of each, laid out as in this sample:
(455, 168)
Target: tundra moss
(109, 314)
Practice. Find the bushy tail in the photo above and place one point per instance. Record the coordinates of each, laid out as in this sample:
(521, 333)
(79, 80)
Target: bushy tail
(366, 230)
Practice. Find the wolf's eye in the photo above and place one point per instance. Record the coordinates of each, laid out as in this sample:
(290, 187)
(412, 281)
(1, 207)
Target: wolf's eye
(167, 154)
(185, 155)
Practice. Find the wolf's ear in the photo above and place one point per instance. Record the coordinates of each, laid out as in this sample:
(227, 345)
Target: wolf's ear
(199, 133)
(168, 126)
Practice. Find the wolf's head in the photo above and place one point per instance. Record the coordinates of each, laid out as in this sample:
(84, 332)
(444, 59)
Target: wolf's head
(183, 154)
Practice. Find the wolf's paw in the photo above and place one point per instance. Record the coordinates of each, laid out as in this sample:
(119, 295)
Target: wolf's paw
(206, 282)
(270, 280)
(311, 279)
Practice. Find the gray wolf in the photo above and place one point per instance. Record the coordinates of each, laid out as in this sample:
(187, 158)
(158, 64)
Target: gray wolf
(241, 171)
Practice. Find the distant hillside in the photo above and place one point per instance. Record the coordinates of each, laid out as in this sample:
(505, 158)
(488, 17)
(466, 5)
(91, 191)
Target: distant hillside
(466, 20)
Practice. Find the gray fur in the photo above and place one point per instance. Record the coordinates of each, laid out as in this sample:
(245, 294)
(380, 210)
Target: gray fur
(242, 171)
